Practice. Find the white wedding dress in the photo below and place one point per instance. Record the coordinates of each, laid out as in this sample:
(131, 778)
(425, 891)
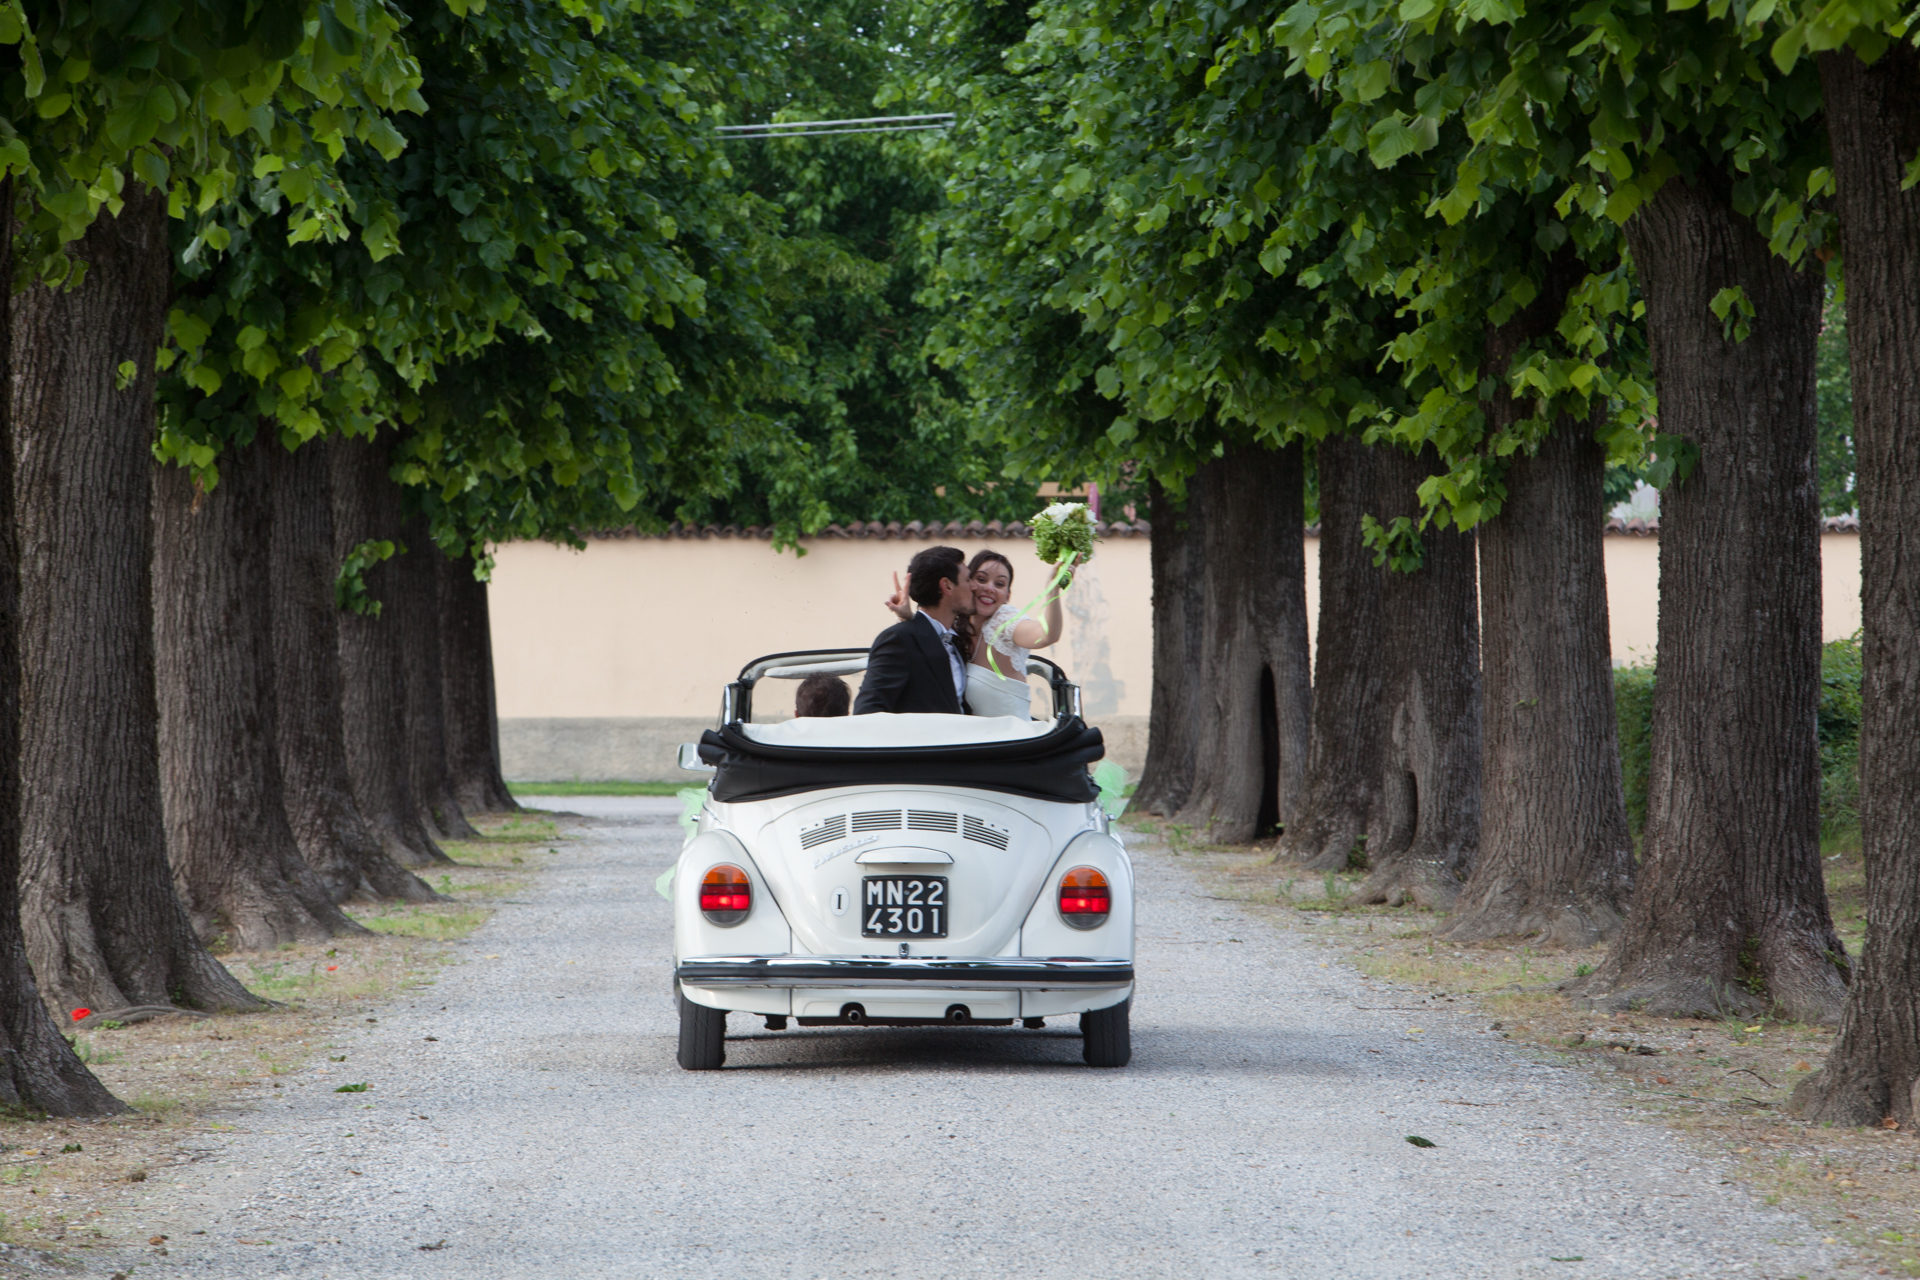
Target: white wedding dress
(1004, 692)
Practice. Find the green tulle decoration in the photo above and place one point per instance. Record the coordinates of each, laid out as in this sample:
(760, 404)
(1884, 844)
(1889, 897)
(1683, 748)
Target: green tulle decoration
(1111, 778)
(692, 800)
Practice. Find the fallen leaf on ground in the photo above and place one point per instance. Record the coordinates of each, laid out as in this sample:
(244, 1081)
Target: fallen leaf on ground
(1419, 1141)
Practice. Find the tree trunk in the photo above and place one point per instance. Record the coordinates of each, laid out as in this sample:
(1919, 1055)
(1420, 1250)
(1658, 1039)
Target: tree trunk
(234, 857)
(333, 836)
(417, 610)
(1173, 733)
(373, 705)
(1344, 757)
(1426, 824)
(1252, 689)
(39, 1070)
(104, 929)
(1730, 913)
(1556, 858)
(1873, 120)
(473, 723)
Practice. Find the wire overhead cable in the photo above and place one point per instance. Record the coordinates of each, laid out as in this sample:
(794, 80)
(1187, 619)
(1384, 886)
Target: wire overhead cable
(818, 128)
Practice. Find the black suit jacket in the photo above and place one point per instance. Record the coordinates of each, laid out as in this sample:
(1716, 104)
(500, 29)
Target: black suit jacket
(907, 670)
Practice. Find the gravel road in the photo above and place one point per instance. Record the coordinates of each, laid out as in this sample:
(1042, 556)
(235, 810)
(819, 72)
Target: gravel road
(526, 1118)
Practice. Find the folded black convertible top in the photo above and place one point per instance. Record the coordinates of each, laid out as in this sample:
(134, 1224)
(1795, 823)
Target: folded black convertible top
(1050, 767)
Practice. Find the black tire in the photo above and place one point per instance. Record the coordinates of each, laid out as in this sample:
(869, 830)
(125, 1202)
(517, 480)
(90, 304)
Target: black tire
(1107, 1035)
(703, 1036)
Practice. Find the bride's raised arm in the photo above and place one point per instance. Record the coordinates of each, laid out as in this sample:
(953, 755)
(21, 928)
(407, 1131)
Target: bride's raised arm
(1036, 633)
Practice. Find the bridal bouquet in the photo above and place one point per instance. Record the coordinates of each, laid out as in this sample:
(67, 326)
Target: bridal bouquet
(1063, 532)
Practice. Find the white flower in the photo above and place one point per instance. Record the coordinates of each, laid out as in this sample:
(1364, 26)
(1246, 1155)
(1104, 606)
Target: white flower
(1061, 512)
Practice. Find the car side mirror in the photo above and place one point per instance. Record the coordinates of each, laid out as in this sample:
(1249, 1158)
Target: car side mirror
(690, 758)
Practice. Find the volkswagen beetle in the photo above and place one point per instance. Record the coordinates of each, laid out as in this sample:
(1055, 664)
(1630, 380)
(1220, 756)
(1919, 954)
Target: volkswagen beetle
(900, 870)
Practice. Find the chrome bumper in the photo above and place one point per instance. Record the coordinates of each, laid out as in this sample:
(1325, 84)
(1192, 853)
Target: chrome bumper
(994, 973)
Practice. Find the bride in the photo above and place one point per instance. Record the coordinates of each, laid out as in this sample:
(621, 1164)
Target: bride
(997, 671)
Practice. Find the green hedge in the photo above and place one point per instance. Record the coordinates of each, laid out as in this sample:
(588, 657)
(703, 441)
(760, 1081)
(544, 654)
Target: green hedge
(1839, 737)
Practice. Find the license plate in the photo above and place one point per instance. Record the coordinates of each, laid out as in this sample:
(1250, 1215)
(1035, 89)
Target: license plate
(903, 907)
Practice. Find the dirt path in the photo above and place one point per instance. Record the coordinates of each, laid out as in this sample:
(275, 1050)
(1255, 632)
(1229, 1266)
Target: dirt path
(524, 1117)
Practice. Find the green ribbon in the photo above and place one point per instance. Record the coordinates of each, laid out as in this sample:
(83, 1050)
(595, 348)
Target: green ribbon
(1065, 572)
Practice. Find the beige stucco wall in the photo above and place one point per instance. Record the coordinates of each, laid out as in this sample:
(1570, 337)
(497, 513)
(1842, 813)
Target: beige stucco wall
(604, 659)
(655, 626)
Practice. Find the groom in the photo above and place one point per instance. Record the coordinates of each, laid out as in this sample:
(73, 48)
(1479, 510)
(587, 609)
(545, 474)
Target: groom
(917, 665)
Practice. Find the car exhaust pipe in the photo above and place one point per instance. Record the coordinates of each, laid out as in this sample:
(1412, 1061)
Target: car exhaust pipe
(958, 1014)
(853, 1013)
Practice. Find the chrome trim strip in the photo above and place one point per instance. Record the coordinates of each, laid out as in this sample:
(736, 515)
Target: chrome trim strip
(988, 973)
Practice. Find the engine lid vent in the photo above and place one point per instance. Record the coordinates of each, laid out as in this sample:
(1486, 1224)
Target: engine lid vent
(932, 820)
(877, 820)
(983, 832)
(831, 829)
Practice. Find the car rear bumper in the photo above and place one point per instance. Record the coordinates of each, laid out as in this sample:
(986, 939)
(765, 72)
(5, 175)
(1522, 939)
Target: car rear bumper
(972, 973)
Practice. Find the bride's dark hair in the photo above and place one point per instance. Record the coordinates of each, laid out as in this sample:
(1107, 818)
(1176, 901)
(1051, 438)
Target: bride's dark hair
(963, 627)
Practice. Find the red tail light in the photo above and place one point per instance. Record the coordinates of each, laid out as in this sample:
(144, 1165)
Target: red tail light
(1085, 899)
(726, 895)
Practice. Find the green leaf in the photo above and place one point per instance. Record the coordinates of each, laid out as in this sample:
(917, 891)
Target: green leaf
(1735, 312)
(34, 74)
(1394, 137)
(152, 168)
(1369, 80)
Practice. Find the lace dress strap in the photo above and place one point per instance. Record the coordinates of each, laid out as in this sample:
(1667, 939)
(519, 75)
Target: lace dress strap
(999, 634)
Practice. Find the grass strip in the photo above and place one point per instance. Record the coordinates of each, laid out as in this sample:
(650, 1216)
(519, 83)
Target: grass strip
(523, 789)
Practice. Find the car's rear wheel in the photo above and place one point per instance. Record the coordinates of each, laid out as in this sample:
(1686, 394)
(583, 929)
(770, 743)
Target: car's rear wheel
(1106, 1035)
(703, 1036)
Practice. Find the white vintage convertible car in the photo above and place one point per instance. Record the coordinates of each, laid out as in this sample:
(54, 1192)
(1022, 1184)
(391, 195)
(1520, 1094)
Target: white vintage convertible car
(900, 870)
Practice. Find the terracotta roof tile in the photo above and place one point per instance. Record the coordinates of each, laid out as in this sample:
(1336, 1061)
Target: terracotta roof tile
(929, 531)
(916, 530)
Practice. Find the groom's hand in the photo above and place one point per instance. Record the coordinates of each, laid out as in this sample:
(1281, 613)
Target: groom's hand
(897, 602)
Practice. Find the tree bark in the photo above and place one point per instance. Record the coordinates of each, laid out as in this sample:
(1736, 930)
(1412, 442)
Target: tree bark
(39, 1070)
(234, 857)
(373, 669)
(1252, 688)
(1730, 914)
(334, 837)
(1342, 785)
(473, 721)
(1166, 779)
(1556, 857)
(1873, 121)
(104, 928)
(417, 609)
(1426, 825)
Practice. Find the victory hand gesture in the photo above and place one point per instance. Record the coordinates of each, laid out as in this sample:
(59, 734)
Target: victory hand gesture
(897, 602)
